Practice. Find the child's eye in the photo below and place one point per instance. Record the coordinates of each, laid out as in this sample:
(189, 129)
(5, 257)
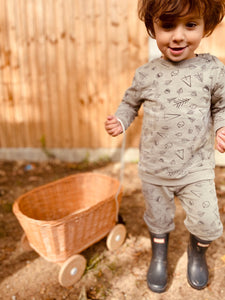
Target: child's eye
(191, 25)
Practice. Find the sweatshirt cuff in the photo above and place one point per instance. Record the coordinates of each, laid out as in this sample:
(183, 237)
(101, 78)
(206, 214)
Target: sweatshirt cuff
(123, 127)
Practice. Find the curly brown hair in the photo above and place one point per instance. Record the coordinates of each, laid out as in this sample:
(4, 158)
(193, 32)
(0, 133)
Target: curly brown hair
(212, 11)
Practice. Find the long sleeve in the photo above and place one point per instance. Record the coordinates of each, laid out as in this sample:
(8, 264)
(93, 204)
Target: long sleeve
(218, 100)
(131, 102)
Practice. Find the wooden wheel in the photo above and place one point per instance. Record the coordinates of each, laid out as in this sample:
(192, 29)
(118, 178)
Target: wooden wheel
(116, 237)
(72, 270)
(25, 243)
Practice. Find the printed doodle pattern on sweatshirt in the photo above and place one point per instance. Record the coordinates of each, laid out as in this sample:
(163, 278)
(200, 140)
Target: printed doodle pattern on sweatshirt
(177, 130)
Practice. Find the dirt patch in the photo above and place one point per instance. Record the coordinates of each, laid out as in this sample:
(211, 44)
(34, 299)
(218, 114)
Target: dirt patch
(115, 275)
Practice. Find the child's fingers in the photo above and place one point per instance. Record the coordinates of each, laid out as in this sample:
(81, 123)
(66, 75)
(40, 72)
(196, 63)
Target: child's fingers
(110, 126)
(113, 126)
(113, 129)
(111, 121)
(220, 149)
(110, 117)
(220, 145)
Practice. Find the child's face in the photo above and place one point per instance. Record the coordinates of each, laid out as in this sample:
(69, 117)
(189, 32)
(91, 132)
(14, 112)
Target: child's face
(178, 38)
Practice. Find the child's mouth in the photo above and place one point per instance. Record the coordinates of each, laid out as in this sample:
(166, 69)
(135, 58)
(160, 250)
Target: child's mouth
(177, 50)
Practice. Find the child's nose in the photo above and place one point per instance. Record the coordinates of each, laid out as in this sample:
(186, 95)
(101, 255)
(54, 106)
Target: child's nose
(178, 34)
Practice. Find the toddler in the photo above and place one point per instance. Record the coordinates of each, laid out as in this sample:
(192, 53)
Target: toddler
(183, 98)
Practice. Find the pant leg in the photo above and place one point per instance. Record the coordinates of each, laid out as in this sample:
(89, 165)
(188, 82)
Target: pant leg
(160, 208)
(200, 203)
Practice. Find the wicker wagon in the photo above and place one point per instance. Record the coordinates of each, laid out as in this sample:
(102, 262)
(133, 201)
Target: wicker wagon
(65, 217)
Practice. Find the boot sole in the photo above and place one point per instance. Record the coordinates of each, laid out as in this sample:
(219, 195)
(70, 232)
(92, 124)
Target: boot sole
(195, 286)
(157, 289)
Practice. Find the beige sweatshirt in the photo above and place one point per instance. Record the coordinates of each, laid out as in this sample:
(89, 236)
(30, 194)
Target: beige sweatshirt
(184, 104)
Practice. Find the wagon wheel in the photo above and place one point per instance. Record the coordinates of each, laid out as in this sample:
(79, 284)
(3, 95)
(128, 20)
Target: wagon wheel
(116, 237)
(25, 243)
(72, 270)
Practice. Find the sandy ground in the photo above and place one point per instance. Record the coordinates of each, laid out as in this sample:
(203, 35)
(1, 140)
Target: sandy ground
(117, 275)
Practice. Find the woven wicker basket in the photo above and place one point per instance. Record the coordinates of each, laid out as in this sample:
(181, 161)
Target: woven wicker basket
(69, 215)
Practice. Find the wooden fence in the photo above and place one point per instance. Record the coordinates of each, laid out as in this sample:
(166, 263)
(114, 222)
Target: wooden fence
(64, 66)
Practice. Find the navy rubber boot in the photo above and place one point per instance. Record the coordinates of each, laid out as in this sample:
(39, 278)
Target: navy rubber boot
(197, 270)
(157, 272)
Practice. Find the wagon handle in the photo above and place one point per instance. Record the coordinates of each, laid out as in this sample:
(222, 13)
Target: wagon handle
(121, 169)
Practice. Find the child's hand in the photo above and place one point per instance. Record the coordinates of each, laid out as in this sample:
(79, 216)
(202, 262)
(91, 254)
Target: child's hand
(113, 126)
(220, 140)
